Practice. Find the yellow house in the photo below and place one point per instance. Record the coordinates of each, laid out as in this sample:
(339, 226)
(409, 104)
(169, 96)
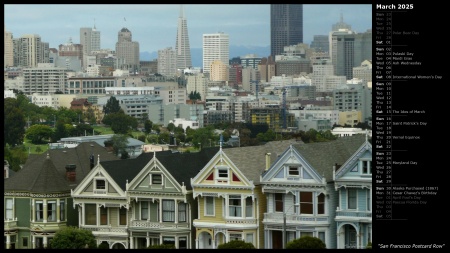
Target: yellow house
(229, 196)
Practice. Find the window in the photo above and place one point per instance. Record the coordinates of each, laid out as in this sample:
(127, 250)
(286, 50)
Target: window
(182, 243)
(278, 202)
(144, 210)
(103, 216)
(156, 179)
(321, 204)
(234, 204)
(306, 203)
(293, 171)
(305, 233)
(248, 207)
(168, 240)
(209, 206)
(367, 167)
(100, 184)
(122, 216)
(62, 210)
(25, 242)
(51, 210)
(351, 198)
(182, 212)
(235, 237)
(9, 209)
(249, 238)
(90, 215)
(222, 173)
(168, 209)
(39, 210)
(322, 236)
(368, 200)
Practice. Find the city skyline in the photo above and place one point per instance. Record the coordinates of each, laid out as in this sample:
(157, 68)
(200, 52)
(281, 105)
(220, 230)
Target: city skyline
(247, 25)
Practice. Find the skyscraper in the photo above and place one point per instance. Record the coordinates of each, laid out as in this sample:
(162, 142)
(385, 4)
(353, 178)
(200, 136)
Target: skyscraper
(216, 46)
(127, 51)
(90, 39)
(286, 26)
(8, 49)
(182, 48)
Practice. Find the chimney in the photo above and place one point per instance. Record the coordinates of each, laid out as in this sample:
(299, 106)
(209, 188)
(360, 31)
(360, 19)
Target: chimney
(267, 161)
(71, 174)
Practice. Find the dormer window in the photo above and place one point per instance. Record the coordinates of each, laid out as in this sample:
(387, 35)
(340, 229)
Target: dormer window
(293, 171)
(366, 166)
(100, 184)
(156, 179)
(222, 174)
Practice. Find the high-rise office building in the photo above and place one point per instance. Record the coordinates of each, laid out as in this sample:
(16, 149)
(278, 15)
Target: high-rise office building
(182, 47)
(286, 26)
(127, 51)
(216, 46)
(349, 50)
(8, 49)
(90, 39)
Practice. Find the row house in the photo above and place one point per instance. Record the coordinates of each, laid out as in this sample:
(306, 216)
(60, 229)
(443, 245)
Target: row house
(37, 198)
(267, 195)
(230, 199)
(308, 195)
(136, 203)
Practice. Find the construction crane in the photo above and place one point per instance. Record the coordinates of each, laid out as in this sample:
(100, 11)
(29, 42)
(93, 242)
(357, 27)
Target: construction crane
(284, 108)
(256, 82)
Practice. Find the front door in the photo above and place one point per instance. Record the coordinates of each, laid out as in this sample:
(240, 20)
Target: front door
(277, 239)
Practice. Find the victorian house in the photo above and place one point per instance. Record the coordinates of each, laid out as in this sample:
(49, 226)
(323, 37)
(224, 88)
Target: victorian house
(135, 203)
(37, 198)
(301, 195)
(229, 195)
(353, 183)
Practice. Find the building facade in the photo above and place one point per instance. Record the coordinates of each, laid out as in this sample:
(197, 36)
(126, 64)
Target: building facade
(286, 26)
(216, 46)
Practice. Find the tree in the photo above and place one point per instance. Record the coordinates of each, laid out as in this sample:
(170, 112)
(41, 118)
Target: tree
(306, 242)
(171, 127)
(112, 106)
(37, 133)
(73, 238)
(148, 126)
(194, 95)
(236, 244)
(120, 123)
(14, 123)
(119, 143)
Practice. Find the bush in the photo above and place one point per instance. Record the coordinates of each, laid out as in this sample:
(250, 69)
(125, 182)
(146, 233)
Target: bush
(369, 245)
(306, 242)
(73, 238)
(162, 246)
(236, 244)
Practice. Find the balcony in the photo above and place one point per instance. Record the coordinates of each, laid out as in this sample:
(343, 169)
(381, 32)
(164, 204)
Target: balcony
(158, 225)
(295, 219)
(106, 230)
(10, 224)
(246, 221)
(354, 215)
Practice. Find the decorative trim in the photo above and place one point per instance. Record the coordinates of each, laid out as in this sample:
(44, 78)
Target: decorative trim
(37, 195)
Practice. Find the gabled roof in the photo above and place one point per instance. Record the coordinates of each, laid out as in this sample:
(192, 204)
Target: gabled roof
(322, 156)
(251, 160)
(79, 156)
(42, 177)
(182, 166)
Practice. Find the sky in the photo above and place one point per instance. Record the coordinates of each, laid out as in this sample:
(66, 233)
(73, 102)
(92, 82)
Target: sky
(154, 26)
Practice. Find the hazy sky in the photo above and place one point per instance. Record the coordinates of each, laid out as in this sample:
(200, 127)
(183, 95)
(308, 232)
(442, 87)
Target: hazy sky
(154, 26)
